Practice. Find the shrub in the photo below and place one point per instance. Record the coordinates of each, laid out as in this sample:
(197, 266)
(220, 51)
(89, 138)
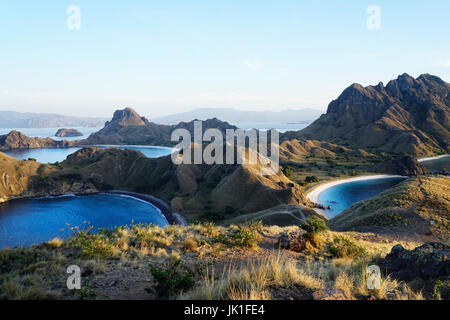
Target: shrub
(311, 179)
(314, 225)
(288, 171)
(93, 245)
(209, 229)
(246, 237)
(151, 236)
(256, 226)
(86, 293)
(55, 243)
(346, 248)
(190, 245)
(170, 281)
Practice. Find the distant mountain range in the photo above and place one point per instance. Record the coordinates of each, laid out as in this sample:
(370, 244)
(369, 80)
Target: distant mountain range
(236, 116)
(13, 119)
(407, 116)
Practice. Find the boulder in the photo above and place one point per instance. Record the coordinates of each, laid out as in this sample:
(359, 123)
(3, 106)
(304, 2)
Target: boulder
(429, 261)
(293, 241)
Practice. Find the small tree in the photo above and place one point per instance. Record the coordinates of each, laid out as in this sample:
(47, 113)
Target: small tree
(314, 225)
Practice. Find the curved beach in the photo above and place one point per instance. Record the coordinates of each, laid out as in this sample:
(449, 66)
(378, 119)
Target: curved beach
(313, 195)
(433, 158)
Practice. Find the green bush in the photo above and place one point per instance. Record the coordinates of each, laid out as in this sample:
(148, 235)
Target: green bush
(246, 237)
(92, 245)
(172, 280)
(311, 179)
(346, 248)
(288, 171)
(86, 293)
(314, 225)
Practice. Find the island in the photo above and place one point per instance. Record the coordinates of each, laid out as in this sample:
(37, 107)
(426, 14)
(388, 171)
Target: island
(68, 133)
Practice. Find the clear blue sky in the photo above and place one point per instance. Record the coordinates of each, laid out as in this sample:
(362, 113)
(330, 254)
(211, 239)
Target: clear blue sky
(163, 57)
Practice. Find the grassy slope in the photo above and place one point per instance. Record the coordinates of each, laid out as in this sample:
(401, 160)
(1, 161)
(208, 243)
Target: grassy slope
(408, 207)
(237, 264)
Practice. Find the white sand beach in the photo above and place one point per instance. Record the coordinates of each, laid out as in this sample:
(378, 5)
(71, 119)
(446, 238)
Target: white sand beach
(314, 194)
(433, 158)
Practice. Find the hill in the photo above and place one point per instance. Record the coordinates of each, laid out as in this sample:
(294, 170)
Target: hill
(16, 177)
(18, 140)
(215, 191)
(128, 127)
(407, 116)
(12, 119)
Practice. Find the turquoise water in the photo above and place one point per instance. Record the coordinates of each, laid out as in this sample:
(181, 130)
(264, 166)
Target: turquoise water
(342, 196)
(437, 165)
(51, 155)
(27, 222)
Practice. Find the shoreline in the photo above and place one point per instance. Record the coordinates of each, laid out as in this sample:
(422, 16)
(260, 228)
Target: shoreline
(433, 158)
(313, 195)
(171, 217)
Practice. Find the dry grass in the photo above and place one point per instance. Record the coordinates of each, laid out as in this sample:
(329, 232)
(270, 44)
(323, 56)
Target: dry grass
(253, 274)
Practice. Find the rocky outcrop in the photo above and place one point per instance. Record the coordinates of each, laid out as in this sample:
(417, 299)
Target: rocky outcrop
(18, 140)
(404, 166)
(429, 261)
(293, 241)
(68, 133)
(407, 116)
(425, 268)
(126, 118)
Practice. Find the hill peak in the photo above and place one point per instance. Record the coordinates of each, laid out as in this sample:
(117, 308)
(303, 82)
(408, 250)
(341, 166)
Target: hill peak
(127, 117)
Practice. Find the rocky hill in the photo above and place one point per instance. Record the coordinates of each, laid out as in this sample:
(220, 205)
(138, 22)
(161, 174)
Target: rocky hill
(128, 127)
(18, 140)
(68, 133)
(403, 165)
(407, 116)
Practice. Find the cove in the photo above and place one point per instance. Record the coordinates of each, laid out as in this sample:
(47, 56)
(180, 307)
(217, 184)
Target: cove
(340, 195)
(27, 222)
(52, 155)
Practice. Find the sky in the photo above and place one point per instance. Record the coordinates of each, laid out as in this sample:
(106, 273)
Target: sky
(164, 57)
